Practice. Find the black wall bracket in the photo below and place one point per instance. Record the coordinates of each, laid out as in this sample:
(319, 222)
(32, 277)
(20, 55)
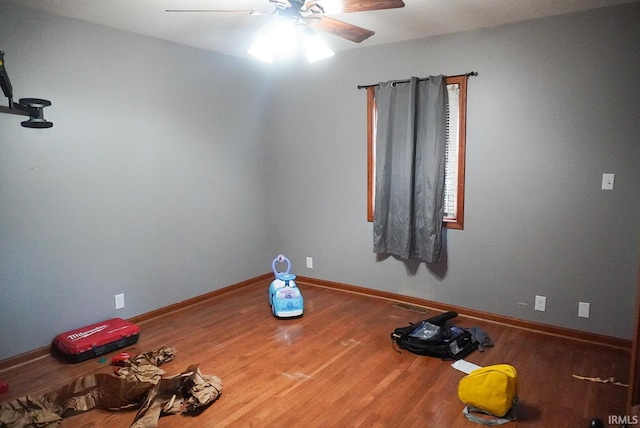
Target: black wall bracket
(31, 107)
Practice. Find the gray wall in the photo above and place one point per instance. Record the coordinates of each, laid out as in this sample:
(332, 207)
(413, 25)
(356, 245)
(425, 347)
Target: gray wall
(554, 107)
(148, 184)
(172, 171)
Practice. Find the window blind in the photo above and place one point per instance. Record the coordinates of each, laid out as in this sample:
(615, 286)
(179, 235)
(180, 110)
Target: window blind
(451, 150)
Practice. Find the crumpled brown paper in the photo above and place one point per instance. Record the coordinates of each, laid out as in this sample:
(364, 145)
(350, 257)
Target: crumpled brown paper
(139, 382)
(178, 394)
(28, 412)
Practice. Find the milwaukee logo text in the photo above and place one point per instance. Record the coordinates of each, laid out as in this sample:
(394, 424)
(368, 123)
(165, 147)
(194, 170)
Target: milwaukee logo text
(87, 333)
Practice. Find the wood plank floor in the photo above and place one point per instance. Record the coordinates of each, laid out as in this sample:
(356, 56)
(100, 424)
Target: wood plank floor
(335, 367)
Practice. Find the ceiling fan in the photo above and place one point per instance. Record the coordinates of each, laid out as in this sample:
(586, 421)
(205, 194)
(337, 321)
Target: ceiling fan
(313, 13)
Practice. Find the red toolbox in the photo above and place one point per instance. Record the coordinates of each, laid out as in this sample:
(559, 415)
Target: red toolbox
(96, 339)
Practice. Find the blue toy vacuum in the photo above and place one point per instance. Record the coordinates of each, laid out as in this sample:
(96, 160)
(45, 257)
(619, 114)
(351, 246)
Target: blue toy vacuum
(284, 296)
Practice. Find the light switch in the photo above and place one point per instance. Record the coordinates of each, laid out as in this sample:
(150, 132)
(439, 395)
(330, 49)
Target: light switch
(607, 181)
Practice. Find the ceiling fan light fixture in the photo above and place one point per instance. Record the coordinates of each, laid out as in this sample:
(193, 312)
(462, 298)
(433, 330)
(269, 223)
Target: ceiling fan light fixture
(276, 39)
(316, 48)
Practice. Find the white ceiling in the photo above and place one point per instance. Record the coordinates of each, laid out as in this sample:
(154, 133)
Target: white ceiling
(231, 33)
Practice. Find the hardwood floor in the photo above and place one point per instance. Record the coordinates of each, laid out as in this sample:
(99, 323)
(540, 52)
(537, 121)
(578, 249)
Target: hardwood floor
(335, 367)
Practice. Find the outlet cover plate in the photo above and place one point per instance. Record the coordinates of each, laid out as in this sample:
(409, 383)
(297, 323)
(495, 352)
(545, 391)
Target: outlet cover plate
(541, 303)
(119, 301)
(583, 309)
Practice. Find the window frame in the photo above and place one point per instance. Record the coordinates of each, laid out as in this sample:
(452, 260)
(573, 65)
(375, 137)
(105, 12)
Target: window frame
(456, 222)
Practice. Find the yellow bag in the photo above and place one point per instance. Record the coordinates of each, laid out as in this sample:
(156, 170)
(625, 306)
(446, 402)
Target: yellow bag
(492, 389)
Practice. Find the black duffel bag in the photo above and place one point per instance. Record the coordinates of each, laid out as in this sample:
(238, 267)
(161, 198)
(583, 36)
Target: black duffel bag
(433, 337)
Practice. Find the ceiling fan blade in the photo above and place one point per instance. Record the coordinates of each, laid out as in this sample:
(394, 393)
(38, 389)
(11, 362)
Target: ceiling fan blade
(366, 5)
(339, 28)
(248, 11)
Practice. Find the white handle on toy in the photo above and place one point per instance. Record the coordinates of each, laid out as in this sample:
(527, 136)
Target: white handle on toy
(280, 259)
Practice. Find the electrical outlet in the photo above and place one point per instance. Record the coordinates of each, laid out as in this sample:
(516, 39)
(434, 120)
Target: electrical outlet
(119, 301)
(309, 263)
(541, 304)
(583, 309)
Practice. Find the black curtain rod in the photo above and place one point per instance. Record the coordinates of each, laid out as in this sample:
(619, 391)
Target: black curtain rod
(471, 73)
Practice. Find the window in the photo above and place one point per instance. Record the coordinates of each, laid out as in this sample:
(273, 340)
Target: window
(455, 151)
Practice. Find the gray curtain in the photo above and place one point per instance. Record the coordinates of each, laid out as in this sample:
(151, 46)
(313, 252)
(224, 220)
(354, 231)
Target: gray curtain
(410, 158)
